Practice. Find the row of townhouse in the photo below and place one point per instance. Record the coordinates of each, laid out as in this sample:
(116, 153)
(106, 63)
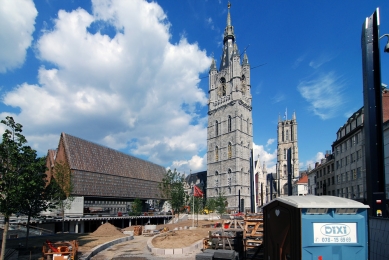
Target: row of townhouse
(342, 172)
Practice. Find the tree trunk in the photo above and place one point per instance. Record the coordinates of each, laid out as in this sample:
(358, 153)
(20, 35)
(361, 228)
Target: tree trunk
(63, 220)
(28, 229)
(5, 233)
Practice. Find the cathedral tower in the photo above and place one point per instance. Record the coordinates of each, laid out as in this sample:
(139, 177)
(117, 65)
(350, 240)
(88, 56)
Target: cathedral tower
(286, 138)
(229, 137)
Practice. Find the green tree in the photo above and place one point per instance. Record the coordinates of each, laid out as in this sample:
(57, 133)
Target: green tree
(62, 188)
(210, 205)
(172, 189)
(37, 197)
(17, 163)
(136, 207)
(221, 204)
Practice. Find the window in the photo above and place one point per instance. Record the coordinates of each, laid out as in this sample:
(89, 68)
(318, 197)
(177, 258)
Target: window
(229, 150)
(248, 125)
(217, 154)
(359, 174)
(346, 160)
(333, 180)
(287, 135)
(229, 123)
(354, 173)
(216, 128)
(284, 154)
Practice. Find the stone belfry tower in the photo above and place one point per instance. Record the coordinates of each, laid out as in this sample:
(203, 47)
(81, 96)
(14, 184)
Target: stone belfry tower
(229, 137)
(286, 138)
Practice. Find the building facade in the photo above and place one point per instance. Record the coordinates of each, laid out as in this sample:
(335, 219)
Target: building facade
(321, 179)
(229, 136)
(104, 179)
(350, 176)
(287, 138)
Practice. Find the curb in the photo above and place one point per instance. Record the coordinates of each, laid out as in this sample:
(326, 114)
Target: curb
(196, 246)
(99, 248)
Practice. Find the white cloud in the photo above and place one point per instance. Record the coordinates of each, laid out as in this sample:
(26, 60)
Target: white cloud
(298, 61)
(322, 59)
(270, 159)
(324, 93)
(17, 19)
(278, 97)
(270, 141)
(133, 90)
(311, 162)
(193, 165)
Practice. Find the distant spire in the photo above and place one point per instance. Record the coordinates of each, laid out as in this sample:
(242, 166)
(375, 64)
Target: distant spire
(264, 167)
(229, 30)
(279, 117)
(294, 115)
(213, 64)
(228, 15)
(245, 59)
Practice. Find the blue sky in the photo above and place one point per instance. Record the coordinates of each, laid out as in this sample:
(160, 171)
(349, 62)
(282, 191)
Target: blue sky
(132, 75)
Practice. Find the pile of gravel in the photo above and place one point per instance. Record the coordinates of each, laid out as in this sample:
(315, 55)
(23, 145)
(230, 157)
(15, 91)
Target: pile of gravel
(107, 230)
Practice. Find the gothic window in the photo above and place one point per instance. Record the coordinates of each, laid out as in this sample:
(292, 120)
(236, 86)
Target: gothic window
(222, 89)
(229, 150)
(287, 135)
(217, 153)
(243, 83)
(248, 125)
(216, 173)
(241, 120)
(216, 128)
(284, 154)
(229, 123)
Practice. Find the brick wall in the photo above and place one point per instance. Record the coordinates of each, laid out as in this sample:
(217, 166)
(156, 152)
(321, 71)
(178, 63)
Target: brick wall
(385, 105)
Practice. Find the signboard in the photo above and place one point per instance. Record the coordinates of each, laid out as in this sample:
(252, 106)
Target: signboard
(334, 233)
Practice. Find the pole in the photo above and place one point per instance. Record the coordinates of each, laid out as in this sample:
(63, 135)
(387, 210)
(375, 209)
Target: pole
(372, 103)
(193, 207)
(289, 159)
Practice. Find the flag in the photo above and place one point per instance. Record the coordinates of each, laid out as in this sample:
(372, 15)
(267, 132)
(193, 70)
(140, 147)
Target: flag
(197, 191)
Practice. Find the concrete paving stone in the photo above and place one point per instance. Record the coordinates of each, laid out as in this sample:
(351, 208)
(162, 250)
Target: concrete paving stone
(178, 251)
(169, 251)
(204, 256)
(160, 251)
(187, 250)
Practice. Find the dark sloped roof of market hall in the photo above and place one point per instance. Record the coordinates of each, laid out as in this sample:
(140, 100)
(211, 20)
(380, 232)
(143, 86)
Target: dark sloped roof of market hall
(86, 156)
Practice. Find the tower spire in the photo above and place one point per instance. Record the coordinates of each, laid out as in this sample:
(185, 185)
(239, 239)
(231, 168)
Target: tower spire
(229, 47)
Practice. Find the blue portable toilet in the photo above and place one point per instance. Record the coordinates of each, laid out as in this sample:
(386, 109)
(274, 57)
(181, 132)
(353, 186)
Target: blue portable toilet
(315, 228)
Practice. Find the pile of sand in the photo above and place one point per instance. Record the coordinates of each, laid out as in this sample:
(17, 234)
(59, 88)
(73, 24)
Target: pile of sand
(106, 230)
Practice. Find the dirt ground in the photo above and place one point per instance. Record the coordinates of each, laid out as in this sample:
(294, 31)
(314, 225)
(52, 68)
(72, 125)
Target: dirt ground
(108, 232)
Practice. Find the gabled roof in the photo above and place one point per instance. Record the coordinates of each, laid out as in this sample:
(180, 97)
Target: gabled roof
(86, 156)
(303, 179)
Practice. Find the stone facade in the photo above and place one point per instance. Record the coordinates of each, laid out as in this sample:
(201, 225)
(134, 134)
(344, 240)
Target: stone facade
(287, 138)
(350, 176)
(229, 137)
(321, 179)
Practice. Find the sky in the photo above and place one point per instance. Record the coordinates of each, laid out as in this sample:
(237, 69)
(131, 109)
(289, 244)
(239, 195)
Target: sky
(133, 75)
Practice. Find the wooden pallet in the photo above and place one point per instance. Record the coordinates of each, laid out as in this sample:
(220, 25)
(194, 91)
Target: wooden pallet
(253, 236)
